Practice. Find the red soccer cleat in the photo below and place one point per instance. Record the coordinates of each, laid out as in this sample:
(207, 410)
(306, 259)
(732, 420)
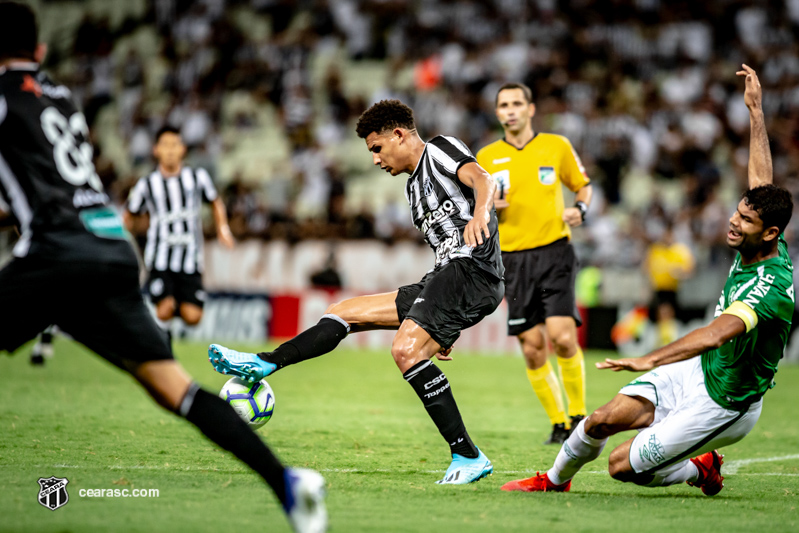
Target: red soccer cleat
(538, 483)
(709, 466)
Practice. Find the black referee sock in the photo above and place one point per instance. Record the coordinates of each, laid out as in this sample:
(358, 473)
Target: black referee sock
(313, 342)
(432, 387)
(220, 423)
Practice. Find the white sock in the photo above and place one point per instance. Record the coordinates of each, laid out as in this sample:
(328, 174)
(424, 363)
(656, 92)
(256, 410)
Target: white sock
(674, 474)
(578, 450)
(165, 325)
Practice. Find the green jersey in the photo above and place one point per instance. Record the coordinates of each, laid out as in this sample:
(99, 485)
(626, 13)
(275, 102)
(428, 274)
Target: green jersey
(760, 294)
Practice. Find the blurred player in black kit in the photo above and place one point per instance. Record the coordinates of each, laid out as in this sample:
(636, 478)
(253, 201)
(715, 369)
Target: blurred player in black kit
(74, 267)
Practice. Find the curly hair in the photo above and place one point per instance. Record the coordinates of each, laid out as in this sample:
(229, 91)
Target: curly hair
(385, 115)
(774, 205)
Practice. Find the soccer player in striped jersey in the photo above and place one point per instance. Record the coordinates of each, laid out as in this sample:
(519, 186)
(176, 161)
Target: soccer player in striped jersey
(172, 195)
(74, 266)
(451, 202)
(534, 234)
(705, 390)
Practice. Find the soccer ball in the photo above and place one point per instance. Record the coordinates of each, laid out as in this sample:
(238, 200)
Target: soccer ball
(254, 402)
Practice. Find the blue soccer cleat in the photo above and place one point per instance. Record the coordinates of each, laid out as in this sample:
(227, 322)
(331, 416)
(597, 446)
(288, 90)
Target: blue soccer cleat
(246, 366)
(463, 470)
(305, 500)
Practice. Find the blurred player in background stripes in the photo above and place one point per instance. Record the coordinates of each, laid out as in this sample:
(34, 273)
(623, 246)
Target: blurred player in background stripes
(172, 195)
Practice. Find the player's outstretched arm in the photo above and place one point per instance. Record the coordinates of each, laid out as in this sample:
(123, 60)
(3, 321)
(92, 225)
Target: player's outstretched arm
(474, 176)
(223, 232)
(760, 172)
(712, 336)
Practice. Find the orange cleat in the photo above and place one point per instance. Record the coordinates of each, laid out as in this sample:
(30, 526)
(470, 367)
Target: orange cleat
(709, 466)
(538, 483)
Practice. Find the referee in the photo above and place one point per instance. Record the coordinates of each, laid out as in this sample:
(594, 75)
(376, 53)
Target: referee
(534, 233)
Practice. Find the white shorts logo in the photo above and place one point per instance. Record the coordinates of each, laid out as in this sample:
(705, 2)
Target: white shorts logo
(516, 321)
(418, 300)
(157, 287)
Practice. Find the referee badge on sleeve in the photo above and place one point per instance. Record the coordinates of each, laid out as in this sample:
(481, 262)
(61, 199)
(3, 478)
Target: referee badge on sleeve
(546, 175)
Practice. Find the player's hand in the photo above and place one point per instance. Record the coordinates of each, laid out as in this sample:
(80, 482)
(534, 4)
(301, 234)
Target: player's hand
(476, 228)
(640, 364)
(753, 95)
(443, 354)
(572, 216)
(225, 237)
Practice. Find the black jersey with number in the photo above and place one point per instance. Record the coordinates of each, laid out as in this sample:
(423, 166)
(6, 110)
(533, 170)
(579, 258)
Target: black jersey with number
(47, 177)
(441, 206)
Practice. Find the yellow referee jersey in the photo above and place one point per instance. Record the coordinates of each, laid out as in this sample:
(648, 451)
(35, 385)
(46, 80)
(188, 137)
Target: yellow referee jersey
(530, 180)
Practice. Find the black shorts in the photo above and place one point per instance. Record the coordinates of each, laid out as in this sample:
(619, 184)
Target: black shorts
(450, 299)
(540, 284)
(98, 304)
(185, 288)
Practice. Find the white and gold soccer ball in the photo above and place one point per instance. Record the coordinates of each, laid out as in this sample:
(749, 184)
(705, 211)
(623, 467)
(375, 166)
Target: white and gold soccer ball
(254, 402)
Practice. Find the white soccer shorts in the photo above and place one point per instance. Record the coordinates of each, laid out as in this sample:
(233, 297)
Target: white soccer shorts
(687, 420)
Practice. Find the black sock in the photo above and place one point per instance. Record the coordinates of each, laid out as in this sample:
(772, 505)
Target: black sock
(313, 342)
(220, 423)
(433, 389)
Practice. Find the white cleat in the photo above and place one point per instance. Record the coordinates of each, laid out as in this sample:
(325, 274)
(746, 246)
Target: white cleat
(305, 500)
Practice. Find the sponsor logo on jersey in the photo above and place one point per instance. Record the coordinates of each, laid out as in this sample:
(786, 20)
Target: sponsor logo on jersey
(546, 175)
(89, 198)
(443, 211)
(448, 247)
(29, 85)
(501, 160)
(760, 290)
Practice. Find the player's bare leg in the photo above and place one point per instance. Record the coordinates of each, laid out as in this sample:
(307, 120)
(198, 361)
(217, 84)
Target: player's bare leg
(165, 309)
(363, 313)
(300, 491)
(587, 442)
(544, 381)
(562, 330)
(191, 313)
(413, 349)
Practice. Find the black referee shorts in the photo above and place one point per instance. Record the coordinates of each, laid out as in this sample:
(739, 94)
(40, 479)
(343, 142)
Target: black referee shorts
(450, 299)
(539, 283)
(98, 304)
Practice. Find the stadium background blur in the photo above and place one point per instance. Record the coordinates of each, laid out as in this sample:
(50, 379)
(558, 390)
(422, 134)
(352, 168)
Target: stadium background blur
(266, 93)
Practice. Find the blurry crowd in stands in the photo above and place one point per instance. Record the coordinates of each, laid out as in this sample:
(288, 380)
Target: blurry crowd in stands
(645, 90)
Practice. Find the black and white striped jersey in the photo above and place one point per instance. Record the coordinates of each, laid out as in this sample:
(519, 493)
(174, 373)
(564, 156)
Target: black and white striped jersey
(441, 206)
(175, 238)
(47, 178)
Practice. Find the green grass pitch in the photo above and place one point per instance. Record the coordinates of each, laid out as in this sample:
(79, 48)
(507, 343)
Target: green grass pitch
(350, 415)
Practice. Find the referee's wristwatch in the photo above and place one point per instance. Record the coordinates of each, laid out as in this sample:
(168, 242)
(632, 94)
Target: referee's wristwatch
(583, 208)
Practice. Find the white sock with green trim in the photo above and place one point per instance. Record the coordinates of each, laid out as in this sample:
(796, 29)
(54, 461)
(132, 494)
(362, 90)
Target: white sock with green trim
(578, 450)
(674, 474)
